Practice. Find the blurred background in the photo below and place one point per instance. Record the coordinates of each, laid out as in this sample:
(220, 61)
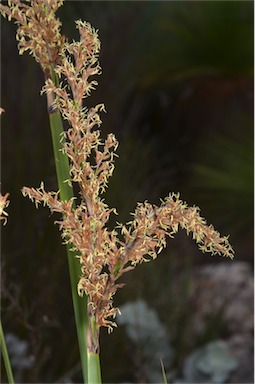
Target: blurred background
(177, 84)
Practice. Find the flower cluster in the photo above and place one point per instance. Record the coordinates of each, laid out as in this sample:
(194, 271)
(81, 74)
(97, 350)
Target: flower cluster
(38, 31)
(4, 204)
(105, 255)
(3, 198)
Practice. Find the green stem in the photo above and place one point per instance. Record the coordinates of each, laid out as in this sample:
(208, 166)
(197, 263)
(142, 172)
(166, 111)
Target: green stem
(66, 193)
(94, 371)
(6, 356)
(163, 372)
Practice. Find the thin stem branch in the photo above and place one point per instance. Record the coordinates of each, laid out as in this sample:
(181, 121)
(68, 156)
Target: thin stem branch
(6, 356)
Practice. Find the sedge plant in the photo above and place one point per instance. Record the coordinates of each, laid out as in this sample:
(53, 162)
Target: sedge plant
(39, 34)
(84, 158)
(4, 202)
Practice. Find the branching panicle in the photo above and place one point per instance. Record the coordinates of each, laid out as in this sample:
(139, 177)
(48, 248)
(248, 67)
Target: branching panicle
(38, 31)
(103, 254)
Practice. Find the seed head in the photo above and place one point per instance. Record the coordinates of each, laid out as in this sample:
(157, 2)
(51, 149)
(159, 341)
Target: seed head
(104, 254)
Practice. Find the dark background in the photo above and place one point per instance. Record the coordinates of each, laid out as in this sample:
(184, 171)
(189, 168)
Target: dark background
(177, 84)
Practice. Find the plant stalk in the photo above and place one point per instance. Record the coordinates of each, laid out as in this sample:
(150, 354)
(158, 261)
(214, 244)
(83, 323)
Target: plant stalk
(66, 193)
(6, 357)
(94, 370)
(163, 372)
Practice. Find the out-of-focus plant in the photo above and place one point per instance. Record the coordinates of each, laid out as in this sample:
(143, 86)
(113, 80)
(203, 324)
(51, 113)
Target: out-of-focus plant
(211, 363)
(149, 341)
(201, 40)
(104, 254)
(221, 177)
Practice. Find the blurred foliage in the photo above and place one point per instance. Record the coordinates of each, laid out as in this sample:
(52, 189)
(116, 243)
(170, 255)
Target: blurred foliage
(177, 41)
(177, 85)
(222, 178)
(210, 364)
(149, 339)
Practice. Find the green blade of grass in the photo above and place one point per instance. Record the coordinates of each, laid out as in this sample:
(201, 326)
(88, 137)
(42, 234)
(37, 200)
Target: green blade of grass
(66, 193)
(163, 372)
(6, 357)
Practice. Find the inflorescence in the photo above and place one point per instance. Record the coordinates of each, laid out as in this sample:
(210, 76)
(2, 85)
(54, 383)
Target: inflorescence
(105, 255)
